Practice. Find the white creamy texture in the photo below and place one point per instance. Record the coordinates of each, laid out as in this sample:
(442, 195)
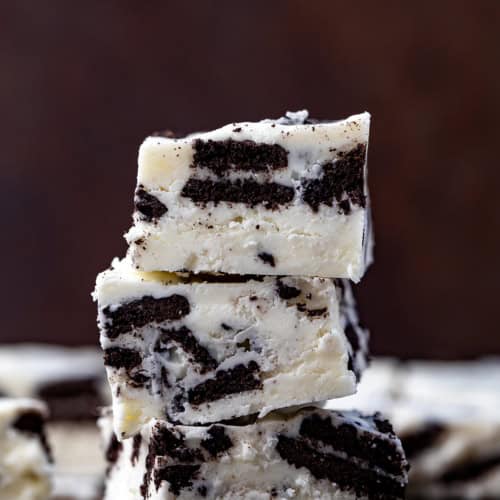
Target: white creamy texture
(26, 367)
(249, 470)
(25, 471)
(302, 358)
(228, 237)
(77, 487)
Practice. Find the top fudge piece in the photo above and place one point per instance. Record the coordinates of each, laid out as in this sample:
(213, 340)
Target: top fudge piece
(275, 197)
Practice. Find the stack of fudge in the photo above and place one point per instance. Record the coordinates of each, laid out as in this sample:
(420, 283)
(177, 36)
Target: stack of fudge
(231, 320)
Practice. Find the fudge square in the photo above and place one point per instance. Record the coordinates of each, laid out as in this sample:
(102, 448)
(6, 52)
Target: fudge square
(205, 348)
(304, 455)
(275, 197)
(25, 457)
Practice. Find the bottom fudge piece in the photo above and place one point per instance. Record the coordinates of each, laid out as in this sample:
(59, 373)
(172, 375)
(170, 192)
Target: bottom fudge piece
(70, 380)
(305, 454)
(25, 457)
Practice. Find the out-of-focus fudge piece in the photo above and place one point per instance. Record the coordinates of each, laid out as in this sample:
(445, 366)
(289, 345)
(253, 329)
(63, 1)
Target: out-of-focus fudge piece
(25, 456)
(304, 455)
(78, 459)
(70, 380)
(275, 197)
(448, 418)
(207, 348)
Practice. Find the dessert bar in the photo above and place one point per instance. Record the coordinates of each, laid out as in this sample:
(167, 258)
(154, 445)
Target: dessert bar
(204, 348)
(275, 197)
(307, 454)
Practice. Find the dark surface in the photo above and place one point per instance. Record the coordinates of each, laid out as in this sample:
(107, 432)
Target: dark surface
(84, 82)
(241, 378)
(348, 476)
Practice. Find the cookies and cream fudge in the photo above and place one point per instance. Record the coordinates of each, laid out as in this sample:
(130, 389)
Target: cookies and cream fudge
(25, 456)
(275, 197)
(447, 415)
(303, 455)
(448, 418)
(70, 380)
(205, 348)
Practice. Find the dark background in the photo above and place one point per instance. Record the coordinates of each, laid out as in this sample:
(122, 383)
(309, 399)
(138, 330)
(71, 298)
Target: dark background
(82, 83)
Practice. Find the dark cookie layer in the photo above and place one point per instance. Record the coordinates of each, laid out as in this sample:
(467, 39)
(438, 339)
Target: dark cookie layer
(241, 378)
(267, 258)
(136, 448)
(347, 475)
(32, 422)
(342, 181)
(120, 357)
(178, 477)
(470, 470)
(75, 399)
(218, 442)
(166, 443)
(345, 437)
(421, 439)
(150, 207)
(113, 452)
(224, 156)
(285, 291)
(139, 313)
(188, 342)
(271, 194)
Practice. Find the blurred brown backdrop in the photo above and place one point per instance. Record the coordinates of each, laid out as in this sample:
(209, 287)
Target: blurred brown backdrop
(82, 83)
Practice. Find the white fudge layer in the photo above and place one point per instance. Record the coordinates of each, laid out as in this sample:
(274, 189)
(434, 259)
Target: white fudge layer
(175, 231)
(279, 457)
(231, 349)
(25, 466)
(448, 417)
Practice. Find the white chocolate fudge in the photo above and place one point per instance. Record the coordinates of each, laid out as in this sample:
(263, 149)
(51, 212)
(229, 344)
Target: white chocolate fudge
(275, 197)
(209, 348)
(25, 457)
(70, 380)
(448, 418)
(304, 455)
(447, 415)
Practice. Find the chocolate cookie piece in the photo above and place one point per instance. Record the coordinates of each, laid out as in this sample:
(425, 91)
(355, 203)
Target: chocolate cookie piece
(224, 156)
(138, 313)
